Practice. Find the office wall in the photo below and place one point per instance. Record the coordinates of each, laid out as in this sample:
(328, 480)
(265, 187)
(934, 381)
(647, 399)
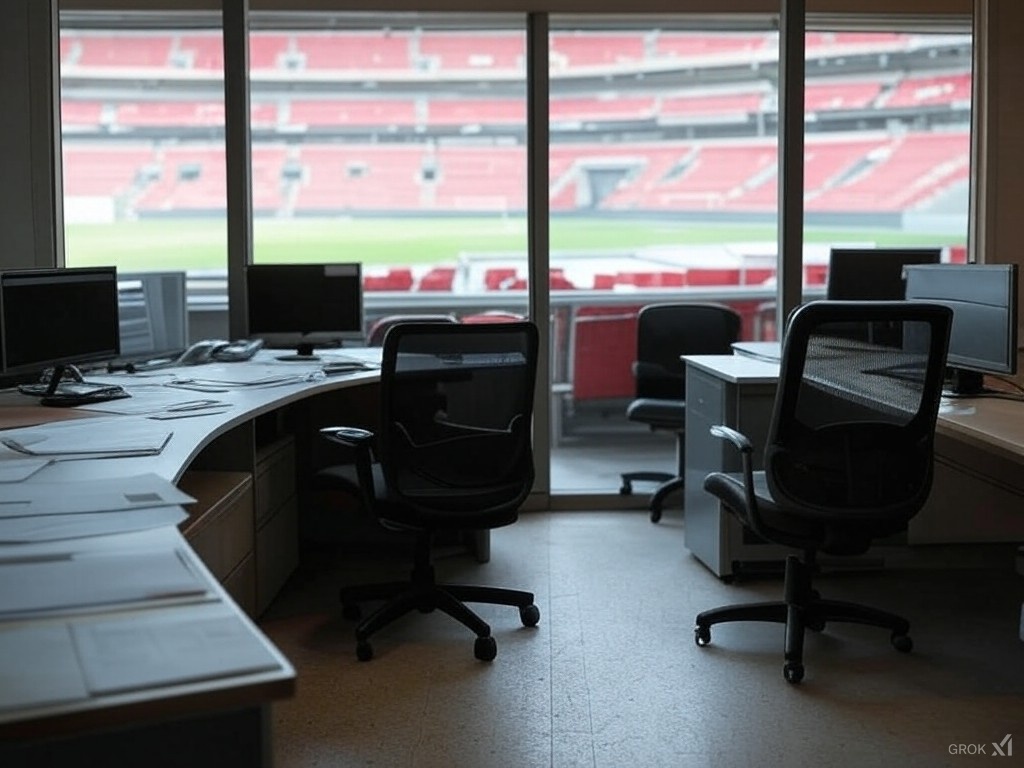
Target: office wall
(31, 231)
(998, 182)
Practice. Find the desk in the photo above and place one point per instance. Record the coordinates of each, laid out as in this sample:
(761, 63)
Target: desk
(243, 538)
(977, 492)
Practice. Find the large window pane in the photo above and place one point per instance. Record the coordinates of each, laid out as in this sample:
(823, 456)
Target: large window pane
(664, 187)
(887, 147)
(142, 125)
(662, 167)
(399, 143)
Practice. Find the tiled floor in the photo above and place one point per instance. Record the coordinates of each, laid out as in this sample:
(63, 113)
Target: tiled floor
(611, 677)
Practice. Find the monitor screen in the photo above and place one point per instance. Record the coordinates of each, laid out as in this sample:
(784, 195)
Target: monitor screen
(152, 313)
(873, 274)
(305, 305)
(52, 317)
(983, 297)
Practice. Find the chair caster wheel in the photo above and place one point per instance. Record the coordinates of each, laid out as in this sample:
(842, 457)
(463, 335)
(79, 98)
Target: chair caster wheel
(625, 490)
(529, 615)
(351, 611)
(364, 651)
(902, 643)
(793, 672)
(655, 515)
(817, 625)
(702, 636)
(485, 648)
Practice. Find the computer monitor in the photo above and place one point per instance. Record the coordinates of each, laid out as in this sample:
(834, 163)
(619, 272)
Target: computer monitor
(58, 318)
(305, 305)
(153, 314)
(873, 274)
(983, 337)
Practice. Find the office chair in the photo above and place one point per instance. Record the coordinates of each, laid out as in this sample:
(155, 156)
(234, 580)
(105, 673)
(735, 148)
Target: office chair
(664, 333)
(453, 453)
(380, 327)
(848, 457)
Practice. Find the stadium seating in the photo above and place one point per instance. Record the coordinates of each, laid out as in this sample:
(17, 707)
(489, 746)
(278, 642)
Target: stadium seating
(474, 50)
(603, 348)
(352, 112)
(437, 279)
(100, 171)
(355, 50)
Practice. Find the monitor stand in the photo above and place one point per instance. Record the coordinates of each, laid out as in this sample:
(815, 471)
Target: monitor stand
(963, 383)
(303, 354)
(67, 387)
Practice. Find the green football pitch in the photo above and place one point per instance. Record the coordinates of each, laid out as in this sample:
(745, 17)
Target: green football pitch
(201, 243)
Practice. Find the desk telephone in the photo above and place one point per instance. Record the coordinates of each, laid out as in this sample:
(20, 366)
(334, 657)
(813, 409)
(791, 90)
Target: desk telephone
(210, 350)
(205, 351)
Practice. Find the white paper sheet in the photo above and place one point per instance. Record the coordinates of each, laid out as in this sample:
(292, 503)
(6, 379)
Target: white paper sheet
(89, 439)
(140, 652)
(39, 666)
(107, 494)
(16, 470)
(22, 530)
(67, 580)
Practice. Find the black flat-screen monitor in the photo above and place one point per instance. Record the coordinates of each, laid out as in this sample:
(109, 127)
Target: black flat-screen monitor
(983, 338)
(873, 274)
(57, 317)
(153, 315)
(305, 305)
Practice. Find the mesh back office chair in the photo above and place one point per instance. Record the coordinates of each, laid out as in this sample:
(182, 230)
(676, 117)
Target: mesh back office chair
(453, 453)
(848, 456)
(380, 327)
(664, 332)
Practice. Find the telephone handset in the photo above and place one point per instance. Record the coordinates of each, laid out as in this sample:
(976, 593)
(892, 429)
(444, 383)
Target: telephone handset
(208, 350)
(200, 352)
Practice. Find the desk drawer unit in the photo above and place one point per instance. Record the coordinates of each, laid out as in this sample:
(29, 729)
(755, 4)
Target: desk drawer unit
(713, 535)
(220, 530)
(277, 527)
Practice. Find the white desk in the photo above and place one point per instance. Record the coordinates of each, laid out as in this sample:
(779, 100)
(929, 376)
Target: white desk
(978, 486)
(221, 719)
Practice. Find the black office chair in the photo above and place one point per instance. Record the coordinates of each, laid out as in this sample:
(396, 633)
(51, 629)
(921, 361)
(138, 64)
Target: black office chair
(453, 453)
(848, 457)
(664, 332)
(381, 326)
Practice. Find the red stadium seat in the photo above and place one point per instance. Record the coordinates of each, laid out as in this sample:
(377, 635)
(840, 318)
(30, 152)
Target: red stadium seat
(603, 352)
(437, 279)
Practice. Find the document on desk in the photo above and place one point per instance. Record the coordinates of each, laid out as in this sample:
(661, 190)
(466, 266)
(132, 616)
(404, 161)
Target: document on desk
(63, 579)
(102, 495)
(16, 470)
(34, 528)
(89, 440)
(39, 666)
(140, 652)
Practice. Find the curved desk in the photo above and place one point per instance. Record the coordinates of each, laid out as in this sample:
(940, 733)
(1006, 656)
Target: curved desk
(239, 461)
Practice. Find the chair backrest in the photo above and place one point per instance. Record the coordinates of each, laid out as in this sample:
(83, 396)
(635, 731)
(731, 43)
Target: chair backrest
(380, 327)
(666, 331)
(456, 420)
(854, 421)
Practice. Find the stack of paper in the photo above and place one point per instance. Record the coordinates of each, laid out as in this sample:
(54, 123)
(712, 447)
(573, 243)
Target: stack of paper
(31, 511)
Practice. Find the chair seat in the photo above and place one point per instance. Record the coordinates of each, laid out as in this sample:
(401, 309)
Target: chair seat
(806, 531)
(393, 513)
(659, 413)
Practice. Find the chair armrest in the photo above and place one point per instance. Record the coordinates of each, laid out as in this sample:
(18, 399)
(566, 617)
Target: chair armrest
(350, 437)
(362, 441)
(746, 448)
(736, 438)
